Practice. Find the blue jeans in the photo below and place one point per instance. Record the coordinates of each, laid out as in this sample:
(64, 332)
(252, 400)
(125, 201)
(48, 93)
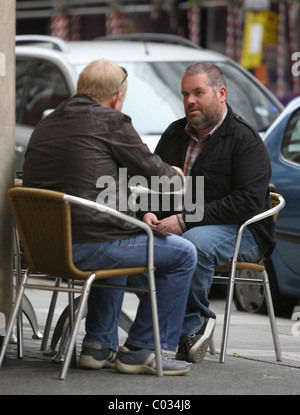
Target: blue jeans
(175, 260)
(215, 246)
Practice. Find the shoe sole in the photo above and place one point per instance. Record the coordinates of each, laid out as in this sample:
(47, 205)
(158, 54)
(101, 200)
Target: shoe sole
(88, 362)
(137, 369)
(197, 353)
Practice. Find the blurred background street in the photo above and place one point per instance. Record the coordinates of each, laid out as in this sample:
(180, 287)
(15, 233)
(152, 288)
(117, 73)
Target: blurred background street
(262, 34)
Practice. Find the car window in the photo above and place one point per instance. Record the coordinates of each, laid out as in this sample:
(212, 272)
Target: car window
(24, 69)
(247, 99)
(154, 96)
(290, 147)
(39, 86)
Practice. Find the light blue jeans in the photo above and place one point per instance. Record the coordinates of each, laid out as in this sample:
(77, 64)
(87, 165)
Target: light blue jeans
(175, 261)
(215, 246)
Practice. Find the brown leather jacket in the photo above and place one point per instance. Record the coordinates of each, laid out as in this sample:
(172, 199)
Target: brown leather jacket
(74, 148)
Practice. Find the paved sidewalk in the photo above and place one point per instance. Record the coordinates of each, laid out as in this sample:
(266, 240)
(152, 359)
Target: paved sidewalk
(250, 367)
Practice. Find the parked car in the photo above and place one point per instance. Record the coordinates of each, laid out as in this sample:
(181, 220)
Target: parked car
(283, 144)
(47, 69)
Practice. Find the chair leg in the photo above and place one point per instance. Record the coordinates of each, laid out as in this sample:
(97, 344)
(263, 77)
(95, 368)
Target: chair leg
(18, 271)
(50, 315)
(71, 322)
(13, 316)
(227, 315)
(66, 331)
(272, 317)
(20, 333)
(81, 310)
(29, 312)
(156, 335)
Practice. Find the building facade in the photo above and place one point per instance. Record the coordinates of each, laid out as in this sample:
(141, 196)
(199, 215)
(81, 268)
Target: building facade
(261, 34)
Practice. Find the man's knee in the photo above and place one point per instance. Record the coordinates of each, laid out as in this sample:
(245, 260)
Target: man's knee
(197, 237)
(191, 251)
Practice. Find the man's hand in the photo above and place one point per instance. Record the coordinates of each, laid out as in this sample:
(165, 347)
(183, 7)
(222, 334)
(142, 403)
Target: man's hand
(170, 224)
(151, 219)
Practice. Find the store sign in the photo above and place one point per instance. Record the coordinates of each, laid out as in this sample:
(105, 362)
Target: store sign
(260, 30)
(2, 64)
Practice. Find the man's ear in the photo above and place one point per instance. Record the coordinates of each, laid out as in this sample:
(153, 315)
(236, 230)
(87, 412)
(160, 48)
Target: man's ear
(115, 99)
(223, 93)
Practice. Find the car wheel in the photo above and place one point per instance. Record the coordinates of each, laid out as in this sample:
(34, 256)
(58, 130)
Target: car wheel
(249, 297)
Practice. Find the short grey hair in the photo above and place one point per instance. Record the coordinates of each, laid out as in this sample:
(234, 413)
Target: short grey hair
(215, 77)
(101, 79)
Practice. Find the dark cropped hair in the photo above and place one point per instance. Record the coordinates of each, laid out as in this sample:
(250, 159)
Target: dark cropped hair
(215, 77)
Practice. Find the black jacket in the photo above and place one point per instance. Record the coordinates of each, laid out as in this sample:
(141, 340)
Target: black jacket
(236, 170)
(80, 145)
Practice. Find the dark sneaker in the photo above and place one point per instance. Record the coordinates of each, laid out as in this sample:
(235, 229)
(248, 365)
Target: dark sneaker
(194, 347)
(143, 361)
(94, 356)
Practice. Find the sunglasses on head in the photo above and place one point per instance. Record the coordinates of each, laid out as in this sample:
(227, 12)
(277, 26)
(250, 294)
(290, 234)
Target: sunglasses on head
(126, 74)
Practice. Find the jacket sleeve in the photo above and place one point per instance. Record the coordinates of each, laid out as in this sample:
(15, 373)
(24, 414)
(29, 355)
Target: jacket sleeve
(130, 152)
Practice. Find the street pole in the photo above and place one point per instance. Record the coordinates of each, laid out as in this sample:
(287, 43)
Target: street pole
(7, 151)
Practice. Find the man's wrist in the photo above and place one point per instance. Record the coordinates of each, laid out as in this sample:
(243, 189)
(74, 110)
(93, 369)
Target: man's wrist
(181, 222)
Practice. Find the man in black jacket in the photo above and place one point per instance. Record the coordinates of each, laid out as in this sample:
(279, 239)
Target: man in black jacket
(80, 149)
(214, 143)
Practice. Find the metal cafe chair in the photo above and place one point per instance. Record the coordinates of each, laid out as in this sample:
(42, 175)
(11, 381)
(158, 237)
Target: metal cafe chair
(228, 273)
(43, 220)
